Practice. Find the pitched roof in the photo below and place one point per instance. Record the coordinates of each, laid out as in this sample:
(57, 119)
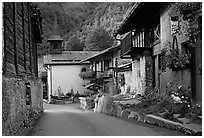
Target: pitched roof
(102, 52)
(128, 16)
(135, 18)
(68, 57)
(55, 38)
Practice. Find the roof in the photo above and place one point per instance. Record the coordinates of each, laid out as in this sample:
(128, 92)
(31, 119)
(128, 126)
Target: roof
(102, 52)
(128, 15)
(135, 18)
(68, 57)
(55, 38)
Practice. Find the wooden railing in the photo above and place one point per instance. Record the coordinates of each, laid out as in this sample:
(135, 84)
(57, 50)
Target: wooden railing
(142, 39)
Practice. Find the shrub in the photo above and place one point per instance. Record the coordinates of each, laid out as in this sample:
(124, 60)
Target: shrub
(195, 110)
(87, 74)
(173, 100)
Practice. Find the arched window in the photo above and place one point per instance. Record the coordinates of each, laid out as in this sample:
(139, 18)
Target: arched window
(83, 69)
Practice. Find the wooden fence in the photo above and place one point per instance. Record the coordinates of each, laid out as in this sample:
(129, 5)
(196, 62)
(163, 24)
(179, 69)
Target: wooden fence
(21, 35)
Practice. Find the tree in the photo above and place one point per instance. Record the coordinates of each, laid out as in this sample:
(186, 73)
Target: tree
(74, 44)
(192, 12)
(99, 39)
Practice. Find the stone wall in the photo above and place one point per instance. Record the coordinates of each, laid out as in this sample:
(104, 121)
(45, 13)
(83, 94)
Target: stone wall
(17, 114)
(138, 75)
(179, 77)
(128, 82)
(149, 72)
(86, 103)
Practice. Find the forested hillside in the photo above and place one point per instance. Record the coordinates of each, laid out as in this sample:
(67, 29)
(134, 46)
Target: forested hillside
(83, 25)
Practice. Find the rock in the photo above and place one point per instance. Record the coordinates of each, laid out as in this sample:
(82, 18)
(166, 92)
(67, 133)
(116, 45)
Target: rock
(125, 113)
(152, 119)
(118, 110)
(133, 116)
(114, 111)
(86, 103)
(130, 102)
(176, 115)
(107, 105)
(184, 120)
(100, 104)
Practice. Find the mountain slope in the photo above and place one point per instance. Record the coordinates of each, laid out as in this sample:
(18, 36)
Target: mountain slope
(80, 18)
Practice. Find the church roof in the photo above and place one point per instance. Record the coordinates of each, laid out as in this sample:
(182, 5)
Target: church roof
(112, 48)
(55, 38)
(68, 57)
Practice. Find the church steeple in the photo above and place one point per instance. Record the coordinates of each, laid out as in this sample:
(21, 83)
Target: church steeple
(55, 39)
(55, 32)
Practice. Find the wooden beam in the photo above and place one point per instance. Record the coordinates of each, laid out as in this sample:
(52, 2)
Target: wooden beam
(4, 36)
(23, 29)
(29, 36)
(15, 45)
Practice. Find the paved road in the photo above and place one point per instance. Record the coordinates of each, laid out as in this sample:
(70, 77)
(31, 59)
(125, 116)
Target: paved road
(70, 120)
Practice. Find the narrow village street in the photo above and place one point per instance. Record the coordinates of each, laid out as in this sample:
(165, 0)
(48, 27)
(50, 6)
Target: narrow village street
(101, 68)
(70, 120)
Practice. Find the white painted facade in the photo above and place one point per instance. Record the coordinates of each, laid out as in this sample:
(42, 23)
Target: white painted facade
(138, 75)
(66, 77)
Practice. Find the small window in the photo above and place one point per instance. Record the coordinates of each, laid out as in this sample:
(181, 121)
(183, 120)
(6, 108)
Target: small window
(157, 32)
(83, 70)
(28, 93)
(55, 45)
(107, 64)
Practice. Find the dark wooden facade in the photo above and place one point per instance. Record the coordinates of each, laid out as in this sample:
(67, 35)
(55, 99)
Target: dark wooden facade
(21, 34)
(136, 43)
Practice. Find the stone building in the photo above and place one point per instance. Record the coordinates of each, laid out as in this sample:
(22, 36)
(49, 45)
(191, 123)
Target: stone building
(21, 88)
(108, 67)
(154, 33)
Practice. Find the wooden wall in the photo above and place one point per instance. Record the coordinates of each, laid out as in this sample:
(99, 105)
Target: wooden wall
(21, 23)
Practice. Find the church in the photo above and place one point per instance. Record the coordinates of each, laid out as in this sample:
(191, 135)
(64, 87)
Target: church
(63, 67)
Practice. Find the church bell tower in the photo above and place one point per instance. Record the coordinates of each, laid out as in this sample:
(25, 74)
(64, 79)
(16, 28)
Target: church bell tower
(55, 40)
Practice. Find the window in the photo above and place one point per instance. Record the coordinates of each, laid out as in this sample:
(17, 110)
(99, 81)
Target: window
(156, 29)
(107, 63)
(93, 67)
(138, 38)
(83, 69)
(55, 45)
(157, 32)
(28, 93)
(97, 66)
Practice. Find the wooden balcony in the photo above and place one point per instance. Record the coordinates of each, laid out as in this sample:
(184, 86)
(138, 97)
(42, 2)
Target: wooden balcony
(105, 74)
(136, 43)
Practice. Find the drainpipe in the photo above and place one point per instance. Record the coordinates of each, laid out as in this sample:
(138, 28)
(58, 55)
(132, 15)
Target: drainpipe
(46, 67)
(116, 72)
(116, 65)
